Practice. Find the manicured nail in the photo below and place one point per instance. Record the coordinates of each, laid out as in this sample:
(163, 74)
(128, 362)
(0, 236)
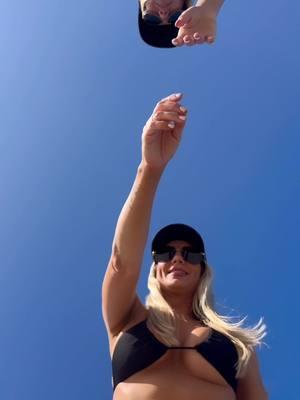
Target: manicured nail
(183, 117)
(175, 96)
(171, 124)
(183, 109)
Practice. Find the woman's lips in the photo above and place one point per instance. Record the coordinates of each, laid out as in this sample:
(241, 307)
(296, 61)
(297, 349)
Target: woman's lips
(178, 272)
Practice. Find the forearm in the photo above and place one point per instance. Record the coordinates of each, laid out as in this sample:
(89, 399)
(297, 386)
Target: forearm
(212, 5)
(134, 220)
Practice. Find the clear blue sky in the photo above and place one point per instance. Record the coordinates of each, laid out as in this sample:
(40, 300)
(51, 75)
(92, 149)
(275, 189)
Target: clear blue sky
(76, 87)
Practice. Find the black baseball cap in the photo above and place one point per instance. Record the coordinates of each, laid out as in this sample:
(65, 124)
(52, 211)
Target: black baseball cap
(178, 232)
(157, 35)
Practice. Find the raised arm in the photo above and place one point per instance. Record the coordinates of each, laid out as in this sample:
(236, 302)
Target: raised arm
(160, 140)
(198, 24)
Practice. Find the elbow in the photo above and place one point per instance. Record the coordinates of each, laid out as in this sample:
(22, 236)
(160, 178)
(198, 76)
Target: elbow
(118, 265)
(115, 259)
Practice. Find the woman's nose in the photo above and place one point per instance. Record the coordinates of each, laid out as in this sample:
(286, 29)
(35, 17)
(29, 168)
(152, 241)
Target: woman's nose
(178, 257)
(163, 14)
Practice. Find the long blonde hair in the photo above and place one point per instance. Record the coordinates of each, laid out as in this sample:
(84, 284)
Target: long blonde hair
(161, 318)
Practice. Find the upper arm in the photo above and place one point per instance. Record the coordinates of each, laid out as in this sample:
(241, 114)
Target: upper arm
(250, 386)
(119, 296)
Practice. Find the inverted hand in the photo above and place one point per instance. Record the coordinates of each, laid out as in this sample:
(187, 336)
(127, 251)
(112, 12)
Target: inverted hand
(196, 25)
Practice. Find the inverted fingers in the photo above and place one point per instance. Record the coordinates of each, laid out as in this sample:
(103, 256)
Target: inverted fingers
(188, 39)
(210, 39)
(191, 39)
(199, 39)
(177, 41)
(183, 20)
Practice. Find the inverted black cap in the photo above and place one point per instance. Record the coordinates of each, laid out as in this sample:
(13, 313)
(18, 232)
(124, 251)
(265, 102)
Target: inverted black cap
(157, 35)
(178, 232)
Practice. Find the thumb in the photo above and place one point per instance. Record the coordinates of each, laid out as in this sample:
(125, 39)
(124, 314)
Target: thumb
(184, 19)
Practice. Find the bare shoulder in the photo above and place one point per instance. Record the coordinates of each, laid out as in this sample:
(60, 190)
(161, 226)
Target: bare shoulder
(250, 386)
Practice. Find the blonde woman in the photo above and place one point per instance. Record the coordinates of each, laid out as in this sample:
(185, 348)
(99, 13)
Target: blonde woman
(170, 23)
(176, 347)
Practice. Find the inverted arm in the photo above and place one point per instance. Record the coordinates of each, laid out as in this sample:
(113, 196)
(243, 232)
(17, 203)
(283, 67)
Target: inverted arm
(214, 5)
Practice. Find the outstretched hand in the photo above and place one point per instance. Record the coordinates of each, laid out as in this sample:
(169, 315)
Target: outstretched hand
(163, 131)
(197, 25)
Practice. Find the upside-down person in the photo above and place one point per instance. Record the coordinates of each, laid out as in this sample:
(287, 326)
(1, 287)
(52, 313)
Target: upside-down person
(171, 23)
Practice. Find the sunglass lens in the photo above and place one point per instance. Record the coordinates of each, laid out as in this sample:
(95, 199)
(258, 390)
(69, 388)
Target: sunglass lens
(164, 255)
(194, 258)
(152, 19)
(167, 254)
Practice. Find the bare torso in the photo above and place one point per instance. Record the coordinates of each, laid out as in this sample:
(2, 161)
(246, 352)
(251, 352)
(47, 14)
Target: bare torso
(180, 374)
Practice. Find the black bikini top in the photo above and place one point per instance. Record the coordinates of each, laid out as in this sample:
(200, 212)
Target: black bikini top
(138, 348)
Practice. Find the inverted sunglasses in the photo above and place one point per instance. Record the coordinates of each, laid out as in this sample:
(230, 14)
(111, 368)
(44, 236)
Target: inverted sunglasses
(156, 20)
(188, 254)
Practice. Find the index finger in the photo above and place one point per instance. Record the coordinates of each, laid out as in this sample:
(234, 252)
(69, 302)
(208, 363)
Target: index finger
(177, 41)
(171, 97)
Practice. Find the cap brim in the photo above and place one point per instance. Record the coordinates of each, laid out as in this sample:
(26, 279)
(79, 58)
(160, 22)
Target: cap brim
(157, 35)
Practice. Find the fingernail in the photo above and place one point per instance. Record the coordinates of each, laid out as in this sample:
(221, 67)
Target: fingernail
(171, 124)
(183, 109)
(175, 96)
(183, 117)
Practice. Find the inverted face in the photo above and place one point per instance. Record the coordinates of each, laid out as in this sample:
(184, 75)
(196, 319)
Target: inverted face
(164, 9)
(178, 274)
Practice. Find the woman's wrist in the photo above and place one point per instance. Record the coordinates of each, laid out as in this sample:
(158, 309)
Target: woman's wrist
(212, 6)
(149, 170)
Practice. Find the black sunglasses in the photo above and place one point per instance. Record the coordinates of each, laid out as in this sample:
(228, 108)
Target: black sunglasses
(188, 254)
(156, 20)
